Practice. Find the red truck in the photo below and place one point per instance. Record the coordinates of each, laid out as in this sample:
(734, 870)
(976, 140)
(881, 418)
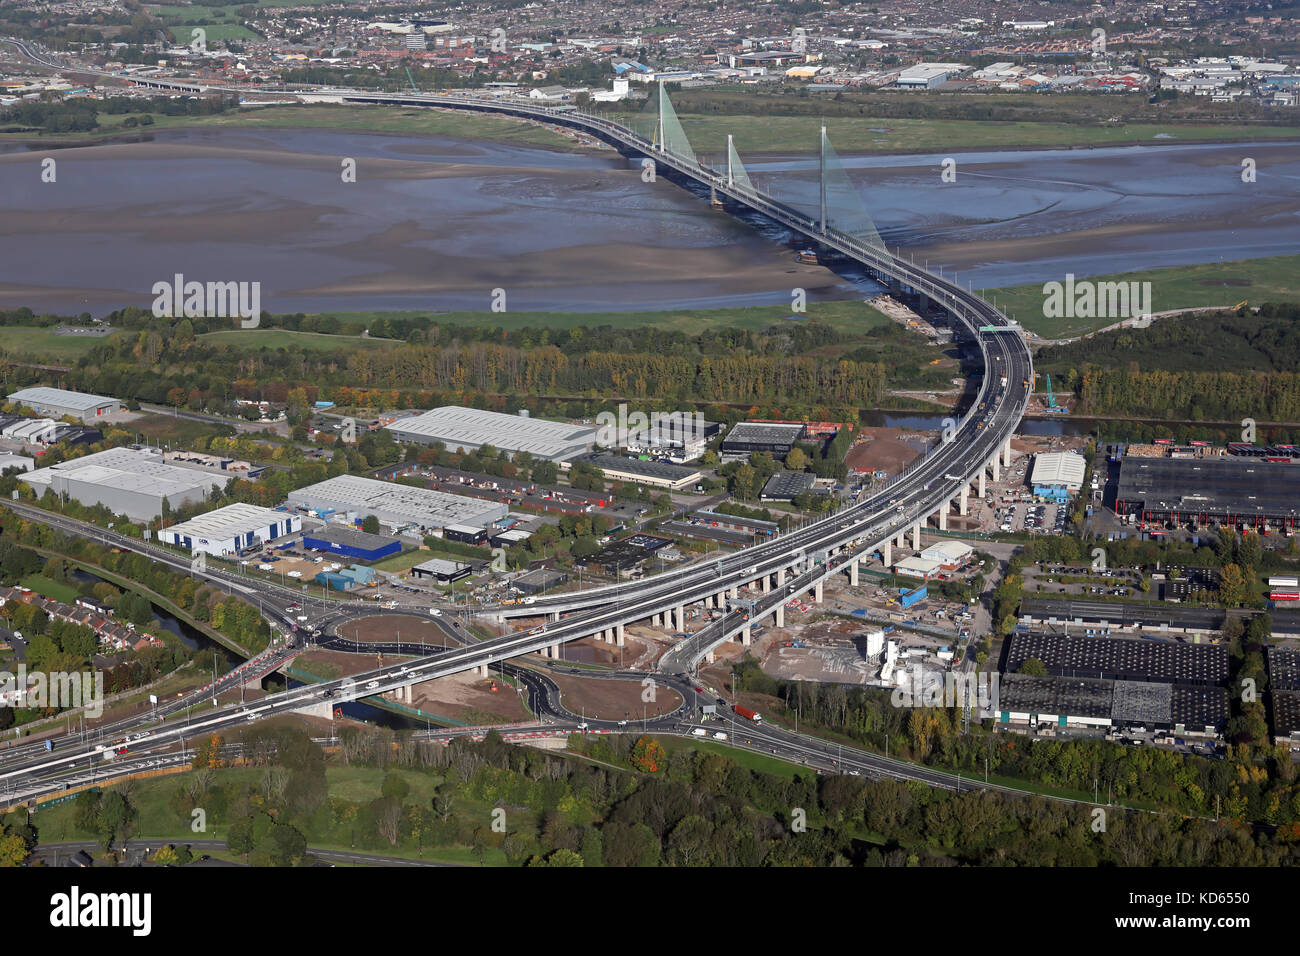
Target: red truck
(748, 714)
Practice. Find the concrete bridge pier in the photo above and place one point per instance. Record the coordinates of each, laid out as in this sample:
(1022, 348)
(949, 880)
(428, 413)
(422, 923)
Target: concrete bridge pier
(780, 615)
(887, 554)
(483, 670)
(708, 657)
(817, 592)
(964, 502)
(943, 515)
(916, 536)
(320, 709)
(996, 465)
(735, 591)
(853, 572)
(679, 615)
(780, 578)
(555, 617)
(1006, 452)
(982, 491)
(746, 636)
(620, 635)
(767, 583)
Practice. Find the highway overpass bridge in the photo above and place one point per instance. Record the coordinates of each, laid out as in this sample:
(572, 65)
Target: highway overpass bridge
(799, 561)
(795, 563)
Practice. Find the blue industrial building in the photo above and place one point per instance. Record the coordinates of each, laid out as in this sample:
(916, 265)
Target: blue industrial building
(359, 545)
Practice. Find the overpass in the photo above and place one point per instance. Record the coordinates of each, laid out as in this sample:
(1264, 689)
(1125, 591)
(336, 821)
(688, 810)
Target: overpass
(792, 564)
(930, 488)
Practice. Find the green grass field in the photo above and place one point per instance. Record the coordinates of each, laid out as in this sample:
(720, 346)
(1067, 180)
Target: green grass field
(387, 120)
(184, 33)
(284, 338)
(798, 134)
(1274, 279)
(409, 120)
(48, 587)
(745, 758)
(157, 819)
(166, 428)
(404, 561)
(850, 315)
(25, 340)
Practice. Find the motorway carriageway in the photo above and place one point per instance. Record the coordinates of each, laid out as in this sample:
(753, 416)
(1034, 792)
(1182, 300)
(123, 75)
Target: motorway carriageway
(665, 592)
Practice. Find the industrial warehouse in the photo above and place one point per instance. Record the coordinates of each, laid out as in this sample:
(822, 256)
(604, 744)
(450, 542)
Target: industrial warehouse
(400, 507)
(776, 438)
(46, 431)
(1121, 615)
(1117, 658)
(654, 474)
(787, 485)
(233, 529)
(442, 570)
(58, 402)
(1099, 703)
(1104, 682)
(133, 482)
(1245, 492)
(1284, 691)
(1057, 475)
(351, 543)
(468, 429)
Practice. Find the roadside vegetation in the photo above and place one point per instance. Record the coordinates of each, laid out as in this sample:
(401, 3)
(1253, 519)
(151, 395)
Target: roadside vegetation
(1208, 367)
(636, 802)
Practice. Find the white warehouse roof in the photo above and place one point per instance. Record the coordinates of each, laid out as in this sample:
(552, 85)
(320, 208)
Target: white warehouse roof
(466, 429)
(916, 567)
(1058, 468)
(397, 504)
(62, 397)
(948, 552)
(128, 469)
(236, 519)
